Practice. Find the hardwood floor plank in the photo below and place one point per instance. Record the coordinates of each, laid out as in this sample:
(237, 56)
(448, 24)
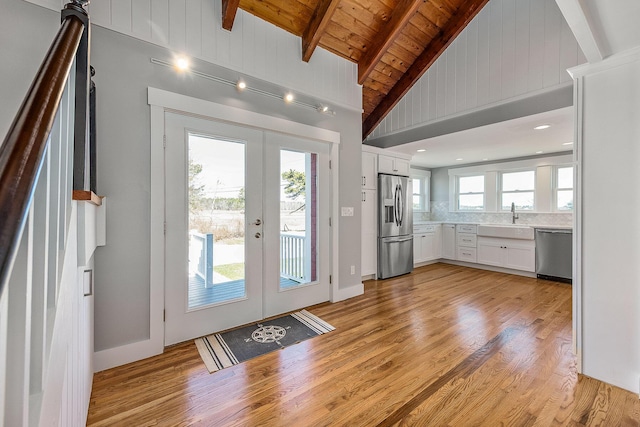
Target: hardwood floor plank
(444, 345)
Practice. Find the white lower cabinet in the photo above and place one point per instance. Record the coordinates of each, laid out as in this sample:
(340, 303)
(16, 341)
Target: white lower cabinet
(427, 245)
(449, 241)
(467, 254)
(437, 244)
(508, 253)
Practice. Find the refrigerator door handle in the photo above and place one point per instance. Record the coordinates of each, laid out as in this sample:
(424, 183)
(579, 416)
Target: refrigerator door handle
(395, 206)
(400, 206)
(398, 240)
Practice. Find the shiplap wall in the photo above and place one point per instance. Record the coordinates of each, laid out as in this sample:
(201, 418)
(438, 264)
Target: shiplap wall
(254, 47)
(511, 49)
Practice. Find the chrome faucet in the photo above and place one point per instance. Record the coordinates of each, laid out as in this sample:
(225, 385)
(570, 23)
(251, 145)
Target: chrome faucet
(514, 215)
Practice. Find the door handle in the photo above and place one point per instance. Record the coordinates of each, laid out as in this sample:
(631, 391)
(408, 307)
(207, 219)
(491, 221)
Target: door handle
(400, 205)
(395, 206)
(258, 222)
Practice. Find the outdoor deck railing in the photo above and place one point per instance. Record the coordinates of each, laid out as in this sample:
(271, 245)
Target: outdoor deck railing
(203, 243)
(292, 256)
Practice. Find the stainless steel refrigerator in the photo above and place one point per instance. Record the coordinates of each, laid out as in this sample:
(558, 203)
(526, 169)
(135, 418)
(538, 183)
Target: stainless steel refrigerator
(395, 226)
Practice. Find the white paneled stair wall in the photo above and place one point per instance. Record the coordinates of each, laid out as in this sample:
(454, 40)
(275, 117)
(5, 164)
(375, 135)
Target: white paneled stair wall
(46, 307)
(255, 47)
(512, 49)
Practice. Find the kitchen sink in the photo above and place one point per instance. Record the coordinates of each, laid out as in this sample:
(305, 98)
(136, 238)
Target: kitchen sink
(507, 231)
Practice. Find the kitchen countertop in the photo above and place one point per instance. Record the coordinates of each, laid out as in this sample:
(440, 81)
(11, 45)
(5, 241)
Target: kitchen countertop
(551, 227)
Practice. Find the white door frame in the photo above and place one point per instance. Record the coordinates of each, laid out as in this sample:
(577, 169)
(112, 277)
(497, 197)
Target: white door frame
(161, 101)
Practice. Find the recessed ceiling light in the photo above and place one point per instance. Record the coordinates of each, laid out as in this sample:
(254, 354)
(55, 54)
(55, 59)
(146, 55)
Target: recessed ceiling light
(242, 84)
(485, 159)
(567, 143)
(182, 64)
(539, 152)
(422, 150)
(541, 127)
(288, 97)
(459, 158)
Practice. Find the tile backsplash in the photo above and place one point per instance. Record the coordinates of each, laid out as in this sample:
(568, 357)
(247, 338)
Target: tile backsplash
(440, 212)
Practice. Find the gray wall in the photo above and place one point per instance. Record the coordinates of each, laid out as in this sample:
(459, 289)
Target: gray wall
(124, 72)
(26, 31)
(440, 185)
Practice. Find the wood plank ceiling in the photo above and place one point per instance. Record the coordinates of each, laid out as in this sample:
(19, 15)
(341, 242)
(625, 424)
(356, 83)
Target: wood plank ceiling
(393, 42)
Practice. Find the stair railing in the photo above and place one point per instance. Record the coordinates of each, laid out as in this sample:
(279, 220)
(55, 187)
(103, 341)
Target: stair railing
(46, 319)
(22, 151)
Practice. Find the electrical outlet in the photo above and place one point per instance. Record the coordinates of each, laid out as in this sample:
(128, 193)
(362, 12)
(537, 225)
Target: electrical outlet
(353, 269)
(347, 211)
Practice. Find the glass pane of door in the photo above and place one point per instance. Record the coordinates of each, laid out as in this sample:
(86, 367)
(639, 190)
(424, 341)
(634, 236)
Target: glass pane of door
(216, 194)
(298, 218)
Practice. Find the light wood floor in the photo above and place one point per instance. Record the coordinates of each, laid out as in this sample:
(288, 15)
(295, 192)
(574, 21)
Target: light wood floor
(445, 345)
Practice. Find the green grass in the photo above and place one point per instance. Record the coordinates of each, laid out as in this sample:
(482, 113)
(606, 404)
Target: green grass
(232, 271)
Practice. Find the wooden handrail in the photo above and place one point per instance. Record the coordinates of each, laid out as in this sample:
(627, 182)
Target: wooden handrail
(22, 152)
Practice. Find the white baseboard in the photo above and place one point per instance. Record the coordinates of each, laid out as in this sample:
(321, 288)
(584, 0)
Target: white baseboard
(346, 293)
(422, 264)
(118, 356)
(488, 267)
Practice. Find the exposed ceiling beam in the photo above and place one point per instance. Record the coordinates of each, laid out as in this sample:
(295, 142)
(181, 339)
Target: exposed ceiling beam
(401, 15)
(577, 16)
(229, 9)
(467, 11)
(319, 21)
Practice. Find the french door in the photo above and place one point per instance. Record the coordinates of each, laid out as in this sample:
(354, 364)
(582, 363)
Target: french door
(246, 225)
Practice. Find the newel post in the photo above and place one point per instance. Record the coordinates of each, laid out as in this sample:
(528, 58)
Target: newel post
(82, 117)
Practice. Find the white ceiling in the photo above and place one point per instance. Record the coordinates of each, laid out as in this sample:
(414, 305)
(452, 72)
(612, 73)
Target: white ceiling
(498, 141)
(614, 23)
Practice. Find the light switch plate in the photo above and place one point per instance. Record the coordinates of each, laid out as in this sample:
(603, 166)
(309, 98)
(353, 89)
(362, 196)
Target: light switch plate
(347, 211)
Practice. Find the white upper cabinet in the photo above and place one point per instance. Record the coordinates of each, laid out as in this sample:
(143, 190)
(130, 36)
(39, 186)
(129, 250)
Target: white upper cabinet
(368, 170)
(393, 165)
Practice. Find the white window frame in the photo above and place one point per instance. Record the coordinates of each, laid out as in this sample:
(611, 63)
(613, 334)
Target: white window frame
(543, 194)
(556, 188)
(425, 188)
(501, 192)
(458, 193)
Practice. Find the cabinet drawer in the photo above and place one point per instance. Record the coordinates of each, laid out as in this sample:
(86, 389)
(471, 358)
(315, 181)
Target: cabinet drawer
(467, 254)
(466, 239)
(424, 228)
(466, 228)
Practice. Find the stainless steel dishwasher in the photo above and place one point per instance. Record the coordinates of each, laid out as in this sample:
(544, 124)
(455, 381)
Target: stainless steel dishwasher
(554, 254)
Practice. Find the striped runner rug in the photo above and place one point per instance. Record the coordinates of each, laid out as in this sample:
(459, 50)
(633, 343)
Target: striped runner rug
(219, 351)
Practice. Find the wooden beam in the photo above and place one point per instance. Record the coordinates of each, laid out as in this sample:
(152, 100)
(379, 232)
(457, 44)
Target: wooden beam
(400, 17)
(229, 9)
(467, 11)
(318, 23)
